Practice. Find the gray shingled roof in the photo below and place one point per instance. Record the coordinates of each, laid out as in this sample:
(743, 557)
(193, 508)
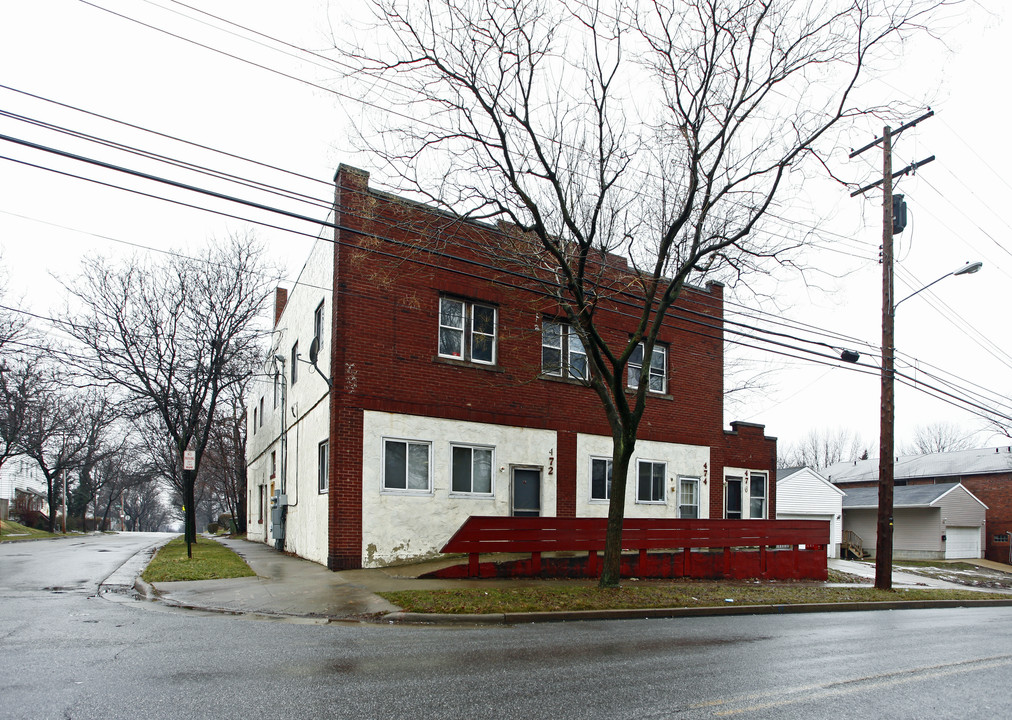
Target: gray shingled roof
(909, 496)
(783, 473)
(933, 465)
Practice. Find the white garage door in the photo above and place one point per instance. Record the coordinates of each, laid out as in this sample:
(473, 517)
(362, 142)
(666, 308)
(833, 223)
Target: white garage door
(831, 550)
(962, 542)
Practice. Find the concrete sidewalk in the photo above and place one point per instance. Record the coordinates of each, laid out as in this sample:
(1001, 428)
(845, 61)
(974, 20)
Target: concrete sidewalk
(290, 586)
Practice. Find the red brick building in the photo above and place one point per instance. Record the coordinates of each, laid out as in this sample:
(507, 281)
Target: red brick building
(985, 472)
(457, 391)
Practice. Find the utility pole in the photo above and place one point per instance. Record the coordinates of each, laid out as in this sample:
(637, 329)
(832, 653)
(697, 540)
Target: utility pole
(887, 408)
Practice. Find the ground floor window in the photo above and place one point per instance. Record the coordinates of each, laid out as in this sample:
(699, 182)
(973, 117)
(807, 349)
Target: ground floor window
(323, 466)
(471, 469)
(650, 488)
(406, 466)
(688, 497)
(600, 478)
(757, 495)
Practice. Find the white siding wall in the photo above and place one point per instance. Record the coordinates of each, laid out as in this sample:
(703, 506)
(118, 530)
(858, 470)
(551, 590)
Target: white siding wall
(306, 412)
(400, 527)
(917, 532)
(680, 460)
(805, 495)
(864, 522)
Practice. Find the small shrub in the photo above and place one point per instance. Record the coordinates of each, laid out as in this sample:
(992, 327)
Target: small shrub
(212, 528)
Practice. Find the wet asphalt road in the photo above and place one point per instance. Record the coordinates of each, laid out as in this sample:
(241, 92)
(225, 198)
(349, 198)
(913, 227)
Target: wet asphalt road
(70, 653)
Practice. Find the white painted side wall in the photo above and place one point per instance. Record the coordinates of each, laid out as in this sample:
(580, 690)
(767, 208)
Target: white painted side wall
(306, 417)
(399, 527)
(680, 460)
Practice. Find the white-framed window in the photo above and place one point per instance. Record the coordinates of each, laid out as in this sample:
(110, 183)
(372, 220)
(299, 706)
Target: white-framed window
(651, 478)
(274, 464)
(688, 497)
(406, 466)
(254, 421)
(471, 469)
(658, 372)
(323, 466)
(261, 411)
(757, 495)
(562, 351)
(467, 331)
(318, 323)
(295, 362)
(600, 478)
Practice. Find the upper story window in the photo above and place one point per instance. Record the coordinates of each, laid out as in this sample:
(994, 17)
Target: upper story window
(467, 331)
(277, 389)
(562, 351)
(274, 464)
(658, 372)
(318, 323)
(600, 478)
(254, 421)
(650, 488)
(261, 411)
(295, 362)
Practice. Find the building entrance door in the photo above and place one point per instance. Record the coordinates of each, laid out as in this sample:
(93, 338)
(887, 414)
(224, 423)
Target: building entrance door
(526, 492)
(732, 498)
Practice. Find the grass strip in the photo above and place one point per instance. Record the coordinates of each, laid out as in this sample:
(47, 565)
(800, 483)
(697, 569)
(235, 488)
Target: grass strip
(11, 531)
(211, 561)
(644, 594)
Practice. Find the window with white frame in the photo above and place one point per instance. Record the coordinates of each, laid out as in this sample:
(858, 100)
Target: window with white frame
(688, 497)
(600, 478)
(467, 331)
(757, 495)
(406, 466)
(261, 411)
(651, 480)
(254, 421)
(274, 464)
(323, 466)
(318, 323)
(471, 469)
(295, 362)
(657, 372)
(562, 351)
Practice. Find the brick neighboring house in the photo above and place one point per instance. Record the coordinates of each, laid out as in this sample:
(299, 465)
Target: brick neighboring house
(985, 472)
(456, 392)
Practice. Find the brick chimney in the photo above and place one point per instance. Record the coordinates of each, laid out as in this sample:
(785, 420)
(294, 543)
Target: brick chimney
(280, 300)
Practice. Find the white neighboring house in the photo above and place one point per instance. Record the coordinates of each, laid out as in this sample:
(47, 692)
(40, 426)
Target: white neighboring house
(803, 494)
(21, 475)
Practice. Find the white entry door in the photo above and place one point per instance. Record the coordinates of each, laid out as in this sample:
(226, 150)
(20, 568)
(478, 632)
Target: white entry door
(962, 542)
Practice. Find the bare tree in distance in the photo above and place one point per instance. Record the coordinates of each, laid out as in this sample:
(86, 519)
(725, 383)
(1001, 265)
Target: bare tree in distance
(821, 448)
(939, 437)
(664, 132)
(224, 469)
(173, 335)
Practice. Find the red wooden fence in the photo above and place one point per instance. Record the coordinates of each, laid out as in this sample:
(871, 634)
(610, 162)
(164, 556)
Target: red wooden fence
(696, 548)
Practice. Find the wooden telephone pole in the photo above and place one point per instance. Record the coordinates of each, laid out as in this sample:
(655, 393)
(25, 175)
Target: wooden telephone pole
(884, 537)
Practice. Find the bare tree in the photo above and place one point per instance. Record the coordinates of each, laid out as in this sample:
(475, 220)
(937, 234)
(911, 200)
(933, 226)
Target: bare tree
(173, 336)
(224, 469)
(822, 448)
(663, 133)
(939, 437)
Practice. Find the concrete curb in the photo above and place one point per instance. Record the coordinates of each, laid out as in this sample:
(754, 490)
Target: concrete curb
(657, 613)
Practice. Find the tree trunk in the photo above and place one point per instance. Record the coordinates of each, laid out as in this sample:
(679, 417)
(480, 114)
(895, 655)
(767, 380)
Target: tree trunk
(624, 445)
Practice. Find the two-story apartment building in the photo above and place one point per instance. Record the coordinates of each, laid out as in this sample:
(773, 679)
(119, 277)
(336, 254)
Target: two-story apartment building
(444, 387)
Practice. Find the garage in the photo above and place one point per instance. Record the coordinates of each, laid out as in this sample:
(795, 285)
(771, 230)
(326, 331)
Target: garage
(962, 542)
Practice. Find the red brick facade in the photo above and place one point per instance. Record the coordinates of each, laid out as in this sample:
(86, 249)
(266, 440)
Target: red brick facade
(394, 259)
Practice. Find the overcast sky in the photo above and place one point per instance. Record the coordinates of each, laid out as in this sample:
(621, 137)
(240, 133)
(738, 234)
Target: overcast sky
(151, 69)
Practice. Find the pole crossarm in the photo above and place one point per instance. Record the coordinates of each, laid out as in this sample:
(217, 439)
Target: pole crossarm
(899, 173)
(876, 141)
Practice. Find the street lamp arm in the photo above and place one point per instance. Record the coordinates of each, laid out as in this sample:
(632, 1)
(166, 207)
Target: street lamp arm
(967, 269)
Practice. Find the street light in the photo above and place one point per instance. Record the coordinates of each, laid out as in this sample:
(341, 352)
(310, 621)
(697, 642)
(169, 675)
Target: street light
(884, 537)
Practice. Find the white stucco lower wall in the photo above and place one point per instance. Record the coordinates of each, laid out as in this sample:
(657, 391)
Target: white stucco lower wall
(689, 461)
(399, 526)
